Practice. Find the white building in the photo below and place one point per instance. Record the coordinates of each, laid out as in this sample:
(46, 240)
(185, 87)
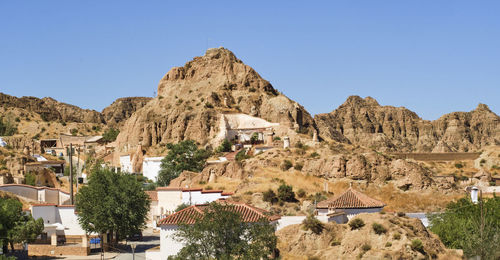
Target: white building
(125, 164)
(349, 203)
(165, 200)
(38, 194)
(169, 246)
(151, 167)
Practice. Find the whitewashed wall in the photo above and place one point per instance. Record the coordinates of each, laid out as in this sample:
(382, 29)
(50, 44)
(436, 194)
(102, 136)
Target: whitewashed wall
(47, 213)
(151, 167)
(69, 220)
(168, 245)
(169, 200)
(125, 164)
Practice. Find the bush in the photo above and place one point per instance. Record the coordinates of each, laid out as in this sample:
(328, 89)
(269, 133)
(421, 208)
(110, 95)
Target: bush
(285, 193)
(335, 243)
(459, 165)
(313, 224)
(225, 146)
(73, 131)
(7, 128)
(241, 155)
(388, 244)
(401, 214)
(396, 236)
(30, 179)
(110, 135)
(276, 138)
(379, 229)
(298, 166)
(356, 223)
(314, 155)
(252, 89)
(270, 196)
(417, 245)
(301, 193)
(286, 165)
(208, 105)
(366, 247)
(482, 161)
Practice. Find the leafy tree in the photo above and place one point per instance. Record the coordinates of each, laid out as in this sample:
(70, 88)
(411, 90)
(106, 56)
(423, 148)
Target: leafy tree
(7, 128)
(30, 179)
(184, 156)
(270, 196)
(313, 224)
(112, 203)
(459, 226)
(225, 146)
(110, 135)
(220, 233)
(16, 226)
(285, 193)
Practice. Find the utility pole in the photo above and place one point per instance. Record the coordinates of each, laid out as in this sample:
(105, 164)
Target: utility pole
(133, 251)
(71, 173)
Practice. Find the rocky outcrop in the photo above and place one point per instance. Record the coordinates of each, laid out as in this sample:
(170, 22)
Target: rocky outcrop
(121, 109)
(371, 167)
(340, 242)
(364, 122)
(191, 99)
(51, 110)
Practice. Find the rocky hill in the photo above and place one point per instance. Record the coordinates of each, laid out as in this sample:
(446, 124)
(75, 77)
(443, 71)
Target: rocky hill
(364, 122)
(192, 98)
(51, 110)
(122, 108)
(404, 238)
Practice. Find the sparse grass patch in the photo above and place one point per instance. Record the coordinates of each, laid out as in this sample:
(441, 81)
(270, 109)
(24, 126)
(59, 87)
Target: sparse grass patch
(356, 223)
(379, 229)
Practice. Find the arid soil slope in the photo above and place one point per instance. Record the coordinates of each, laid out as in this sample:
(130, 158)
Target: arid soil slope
(340, 242)
(122, 108)
(191, 99)
(364, 122)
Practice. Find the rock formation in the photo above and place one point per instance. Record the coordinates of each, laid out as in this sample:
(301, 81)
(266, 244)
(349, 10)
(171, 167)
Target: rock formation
(122, 108)
(191, 99)
(364, 122)
(51, 110)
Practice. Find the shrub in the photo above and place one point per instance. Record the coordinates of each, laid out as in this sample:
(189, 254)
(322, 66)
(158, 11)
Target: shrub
(483, 161)
(208, 187)
(225, 146)
(388, 244)
(401, 214)
(285, 193)
(252, 89)
(298, 166)
(314, 155)
(73, 131)
(356, 223)
(241, 155)
(209, 105)
(459, 165)
(379, 229)
(277, 138)
(110, 135)
(366, 247)
(270, 196)
(335, 243)
(396, 236)
(30, 179)
(286, 165)
(417, 245)
(313, 224)
(301, 193)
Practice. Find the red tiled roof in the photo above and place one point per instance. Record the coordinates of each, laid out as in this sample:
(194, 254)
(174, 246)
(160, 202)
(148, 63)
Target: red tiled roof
(351, 199)
(211, 191)
(188, 215)
(153, 195)
(227, 193)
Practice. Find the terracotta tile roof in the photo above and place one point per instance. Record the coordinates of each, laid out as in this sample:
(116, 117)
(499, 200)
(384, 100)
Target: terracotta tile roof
(188, 215)
(211, 191)
(153, 195)
(351, 199)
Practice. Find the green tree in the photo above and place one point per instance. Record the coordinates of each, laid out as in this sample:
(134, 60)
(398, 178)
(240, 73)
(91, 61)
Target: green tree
(7, 128)
(30, 179)
(220, 233)
(110, 135)
(16, 226)
(112, 203)
(225, 146)
(313, 224)
(184, 156)
(285, 193)
(460, 225)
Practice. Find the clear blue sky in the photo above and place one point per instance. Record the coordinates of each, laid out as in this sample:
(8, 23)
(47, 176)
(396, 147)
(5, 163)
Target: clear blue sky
(432, 57)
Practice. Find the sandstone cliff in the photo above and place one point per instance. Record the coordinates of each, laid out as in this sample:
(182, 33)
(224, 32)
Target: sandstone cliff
(122, 108)
(51, 110)
(191, 99)
(364, 122)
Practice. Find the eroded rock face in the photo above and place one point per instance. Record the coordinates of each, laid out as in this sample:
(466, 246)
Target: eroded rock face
(364, 122)
(191, 99)
(371, 167)
(122, 108)
(52, 110)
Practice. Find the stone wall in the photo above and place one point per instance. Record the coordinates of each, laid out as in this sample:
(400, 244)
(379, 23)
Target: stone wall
(50, 250)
